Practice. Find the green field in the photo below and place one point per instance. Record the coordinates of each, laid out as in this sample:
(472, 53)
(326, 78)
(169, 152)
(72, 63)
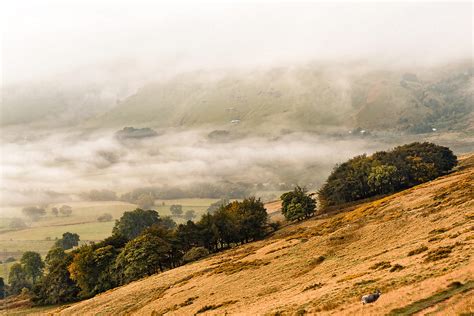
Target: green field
(40, 236)
(83, 221)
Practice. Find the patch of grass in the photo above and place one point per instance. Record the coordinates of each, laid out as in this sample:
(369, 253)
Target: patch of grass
(189, 301)
(234, 267)
(364, 282)
(435, 238)
(418, 250)
(381, 265)
(438, 253)
(351, 277)
(318, 260)
(439, 230)
(206, 308)
(278, 249)
(453, 289)
(313, 286)
(397, 267)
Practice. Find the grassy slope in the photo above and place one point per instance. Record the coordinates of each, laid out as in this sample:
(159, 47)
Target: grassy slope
(309, 97)
(283, 274)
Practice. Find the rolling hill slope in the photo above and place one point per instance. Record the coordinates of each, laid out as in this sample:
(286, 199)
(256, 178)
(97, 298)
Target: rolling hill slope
(325, 264)
(309, 97)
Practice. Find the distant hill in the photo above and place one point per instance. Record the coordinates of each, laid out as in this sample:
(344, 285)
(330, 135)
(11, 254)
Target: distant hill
(313, 97)
(306, 97)
(415, 246)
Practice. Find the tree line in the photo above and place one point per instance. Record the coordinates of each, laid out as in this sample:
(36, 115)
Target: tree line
(142, 243)
(386, 172)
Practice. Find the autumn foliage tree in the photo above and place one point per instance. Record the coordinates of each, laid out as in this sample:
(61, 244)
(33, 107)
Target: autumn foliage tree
(386, 172)
(298, 204)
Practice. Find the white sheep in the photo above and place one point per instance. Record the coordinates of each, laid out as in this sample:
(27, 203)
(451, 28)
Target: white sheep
(370, 298)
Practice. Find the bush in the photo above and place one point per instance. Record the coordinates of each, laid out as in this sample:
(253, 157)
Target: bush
(65, 210)
(106, 217)
(418, 250)
(10, 259)
(33, 212)
(386, 172)
(298, 204)
(195, 253)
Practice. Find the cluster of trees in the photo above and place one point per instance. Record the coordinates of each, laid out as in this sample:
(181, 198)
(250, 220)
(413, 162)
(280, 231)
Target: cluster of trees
(26, 273)
(176, 210)
(106, 217)
(298, 204)
(230, 190)
(34, 213)
(143, 243)
(100, 195)
(386, 172)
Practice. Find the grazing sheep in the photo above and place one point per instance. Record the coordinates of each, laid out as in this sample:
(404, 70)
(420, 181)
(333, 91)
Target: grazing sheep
(370, 298)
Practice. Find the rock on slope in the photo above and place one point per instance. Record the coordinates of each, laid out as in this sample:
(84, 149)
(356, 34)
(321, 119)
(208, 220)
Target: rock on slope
(325, 264)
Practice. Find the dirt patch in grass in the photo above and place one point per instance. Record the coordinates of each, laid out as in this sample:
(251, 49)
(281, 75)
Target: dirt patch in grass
(415, 307)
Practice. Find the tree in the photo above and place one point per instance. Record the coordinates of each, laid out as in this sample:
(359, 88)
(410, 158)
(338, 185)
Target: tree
(92, 268)
(176, 210)
(188, 235)
(106, 217)
(386, 172)
(252, 219)
(145, 201)
(65, 210)
(382, 179)
(32, 265)
(17, 223)
(131, 224)
(33, 212)
(56, 286)
(100, 195)
(216, 205)
(143, 256)
(68, 241)
(298, 204)
(17, 279)
(190, 215)
(167, 222)
(195, 253)
(55, 255)
(55, 211)
(3, 293)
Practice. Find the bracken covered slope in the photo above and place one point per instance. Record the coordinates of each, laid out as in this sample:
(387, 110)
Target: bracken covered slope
(324, 265)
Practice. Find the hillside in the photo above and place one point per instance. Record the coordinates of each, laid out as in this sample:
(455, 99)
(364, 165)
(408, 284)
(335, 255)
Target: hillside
(309, 97)
(325, 264)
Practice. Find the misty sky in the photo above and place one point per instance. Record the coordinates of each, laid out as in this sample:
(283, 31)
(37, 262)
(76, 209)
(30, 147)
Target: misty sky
(44, 38)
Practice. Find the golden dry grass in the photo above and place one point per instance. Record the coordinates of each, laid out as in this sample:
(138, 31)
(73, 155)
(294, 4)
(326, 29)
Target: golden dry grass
(286, 275)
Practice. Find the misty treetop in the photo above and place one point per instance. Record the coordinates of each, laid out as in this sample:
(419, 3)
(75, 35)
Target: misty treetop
(386, 172)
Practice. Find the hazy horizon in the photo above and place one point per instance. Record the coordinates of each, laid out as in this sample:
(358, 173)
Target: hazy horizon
(150, 39)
